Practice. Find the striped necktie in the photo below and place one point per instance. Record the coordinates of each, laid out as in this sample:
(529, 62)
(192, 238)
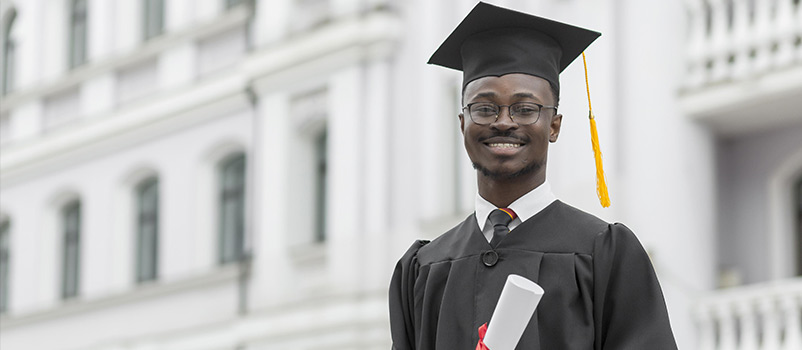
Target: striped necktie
(500, 219)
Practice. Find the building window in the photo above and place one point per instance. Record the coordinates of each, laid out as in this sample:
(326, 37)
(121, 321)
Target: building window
(147, 235)
(232, 208)
(9, 53)
(153, 18)
(321, 179)
(5, 259)
(233, 3)
(798, 200)
(71, 228)
(78, 33)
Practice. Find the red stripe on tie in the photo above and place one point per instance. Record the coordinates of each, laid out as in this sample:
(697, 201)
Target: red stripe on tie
(509, 212)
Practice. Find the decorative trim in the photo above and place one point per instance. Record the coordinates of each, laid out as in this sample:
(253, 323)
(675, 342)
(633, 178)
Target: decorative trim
(149, 50)
(730, 108)
(321, 51)
(221, 275)
(84, 138)
(342, 43)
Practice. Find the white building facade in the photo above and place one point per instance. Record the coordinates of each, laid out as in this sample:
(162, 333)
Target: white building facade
(222, 174)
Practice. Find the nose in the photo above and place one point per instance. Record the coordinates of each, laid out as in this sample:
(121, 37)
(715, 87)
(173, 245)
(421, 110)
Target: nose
(504, 120)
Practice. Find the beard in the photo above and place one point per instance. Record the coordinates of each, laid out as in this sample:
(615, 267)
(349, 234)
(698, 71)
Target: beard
(500, 175)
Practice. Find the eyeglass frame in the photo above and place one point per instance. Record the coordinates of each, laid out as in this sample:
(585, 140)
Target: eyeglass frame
(509, 111)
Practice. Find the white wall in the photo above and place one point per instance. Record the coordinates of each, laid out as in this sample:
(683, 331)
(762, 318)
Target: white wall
(666, 184)
(95, 182)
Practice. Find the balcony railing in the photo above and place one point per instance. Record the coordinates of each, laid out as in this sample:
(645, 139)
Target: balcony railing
(757, 317)
(735, 39)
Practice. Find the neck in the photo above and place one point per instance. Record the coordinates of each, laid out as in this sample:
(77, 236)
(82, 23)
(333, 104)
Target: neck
(502, 192)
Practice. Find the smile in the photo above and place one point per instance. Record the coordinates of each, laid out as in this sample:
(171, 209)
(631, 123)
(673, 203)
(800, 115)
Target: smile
(504, 145)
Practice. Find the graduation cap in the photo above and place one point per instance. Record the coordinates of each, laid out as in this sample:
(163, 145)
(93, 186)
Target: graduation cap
(494, 41)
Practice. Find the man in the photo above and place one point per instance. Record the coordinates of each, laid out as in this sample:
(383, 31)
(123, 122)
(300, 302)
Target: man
(600, 288)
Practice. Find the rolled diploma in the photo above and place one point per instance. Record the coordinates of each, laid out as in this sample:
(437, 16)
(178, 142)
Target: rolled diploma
(515, 308)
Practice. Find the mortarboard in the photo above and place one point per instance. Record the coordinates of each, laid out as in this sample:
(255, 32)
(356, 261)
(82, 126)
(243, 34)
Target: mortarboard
(494, 41)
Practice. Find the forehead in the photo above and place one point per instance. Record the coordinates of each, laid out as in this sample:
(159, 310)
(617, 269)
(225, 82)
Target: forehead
(509, 85)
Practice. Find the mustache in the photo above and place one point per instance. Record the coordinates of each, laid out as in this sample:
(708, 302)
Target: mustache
(506, 134)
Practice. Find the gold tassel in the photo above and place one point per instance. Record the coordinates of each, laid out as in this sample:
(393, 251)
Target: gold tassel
(601, 184)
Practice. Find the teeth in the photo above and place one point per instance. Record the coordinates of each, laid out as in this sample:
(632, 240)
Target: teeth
(505, 145)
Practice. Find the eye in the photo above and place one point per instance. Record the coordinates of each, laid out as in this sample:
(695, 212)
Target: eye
(525, 109)
(483, 109)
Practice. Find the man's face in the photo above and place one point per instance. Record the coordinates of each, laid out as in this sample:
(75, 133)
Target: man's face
(504, 149)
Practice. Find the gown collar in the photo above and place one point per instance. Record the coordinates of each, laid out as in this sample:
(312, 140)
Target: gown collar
(525, 207)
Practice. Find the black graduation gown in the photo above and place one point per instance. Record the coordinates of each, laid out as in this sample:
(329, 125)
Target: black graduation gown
(601, 291)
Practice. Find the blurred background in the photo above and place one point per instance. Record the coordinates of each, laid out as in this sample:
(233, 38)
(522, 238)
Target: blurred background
(223, 174)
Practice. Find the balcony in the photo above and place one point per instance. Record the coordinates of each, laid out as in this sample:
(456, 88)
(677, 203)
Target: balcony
(743, 58)
(764, 316)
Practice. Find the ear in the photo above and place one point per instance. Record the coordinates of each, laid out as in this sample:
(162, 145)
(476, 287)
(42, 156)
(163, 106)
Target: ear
(461, 123)
(556, 122)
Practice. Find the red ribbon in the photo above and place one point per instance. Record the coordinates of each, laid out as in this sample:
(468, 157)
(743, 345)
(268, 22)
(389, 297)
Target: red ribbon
(481, 344)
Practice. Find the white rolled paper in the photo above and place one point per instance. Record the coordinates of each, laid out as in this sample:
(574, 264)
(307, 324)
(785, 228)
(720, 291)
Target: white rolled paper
(514, 309)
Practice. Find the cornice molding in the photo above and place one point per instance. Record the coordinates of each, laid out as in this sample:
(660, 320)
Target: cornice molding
(736, 107)
(93, 136)
(222, 275)
(321, 51)
(339, 44)
(146, 51)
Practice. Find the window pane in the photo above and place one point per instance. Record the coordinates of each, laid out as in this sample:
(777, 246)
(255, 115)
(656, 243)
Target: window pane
(232, 3)
(230, 230)
(148, 230)
(146, 265)
(153, 18)
(78, 31)
(232, 208)
(9, 54)
(71, 221)
(799, 227)
(5, 254)
(321, 160)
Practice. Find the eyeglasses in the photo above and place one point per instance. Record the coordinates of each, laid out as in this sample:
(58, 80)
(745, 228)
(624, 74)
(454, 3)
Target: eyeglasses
(522, 113)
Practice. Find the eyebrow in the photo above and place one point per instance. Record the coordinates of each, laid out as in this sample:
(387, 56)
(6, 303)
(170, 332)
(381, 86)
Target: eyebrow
(516, 95)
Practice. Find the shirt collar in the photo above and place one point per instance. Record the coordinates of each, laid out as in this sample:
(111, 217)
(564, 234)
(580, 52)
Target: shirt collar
(525, 206)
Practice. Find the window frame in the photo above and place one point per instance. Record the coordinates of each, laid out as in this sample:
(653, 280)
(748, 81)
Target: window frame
(321, 179)
(71, 221)
(797, 213)
(9, 53)
(231, 245)
(78, 33)
(147, 216)
(152, 19)
(5, 263)
(230, 4)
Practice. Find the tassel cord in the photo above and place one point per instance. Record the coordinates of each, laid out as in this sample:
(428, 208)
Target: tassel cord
(601, 184)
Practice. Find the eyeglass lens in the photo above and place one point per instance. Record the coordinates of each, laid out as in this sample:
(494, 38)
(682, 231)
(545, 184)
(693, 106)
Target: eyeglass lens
(522, 113)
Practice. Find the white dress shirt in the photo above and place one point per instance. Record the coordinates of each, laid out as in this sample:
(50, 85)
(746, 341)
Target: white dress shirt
(524, 207)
